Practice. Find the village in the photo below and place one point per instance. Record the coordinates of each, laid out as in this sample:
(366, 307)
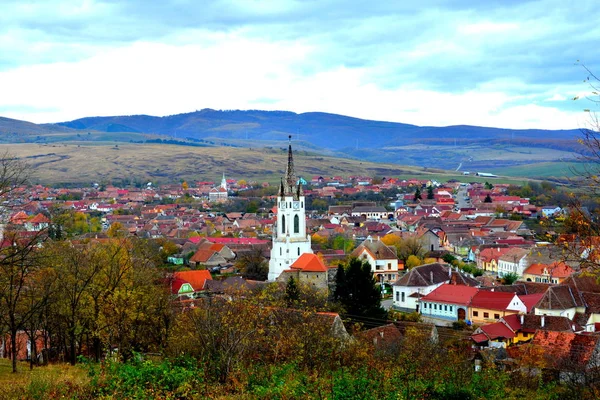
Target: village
(457, 258)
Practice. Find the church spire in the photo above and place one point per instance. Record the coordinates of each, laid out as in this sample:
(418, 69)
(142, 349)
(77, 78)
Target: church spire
(290, 178)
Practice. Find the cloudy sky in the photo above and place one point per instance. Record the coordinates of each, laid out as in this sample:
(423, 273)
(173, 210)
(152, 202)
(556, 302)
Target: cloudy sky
(504, 63)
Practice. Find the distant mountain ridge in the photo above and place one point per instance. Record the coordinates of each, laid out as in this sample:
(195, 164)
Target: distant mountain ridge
(459, 147)
(330, 131)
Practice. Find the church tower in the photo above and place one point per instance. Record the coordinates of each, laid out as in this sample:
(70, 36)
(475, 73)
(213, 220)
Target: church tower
(289, 233)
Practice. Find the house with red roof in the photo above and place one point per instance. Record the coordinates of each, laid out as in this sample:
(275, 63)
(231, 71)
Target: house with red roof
(487, 306)
(196, 278)
(37, 223)
(575, 357)
(519, 328)
(308, 269)
(555, 272)
(487, 259)
(449, 302)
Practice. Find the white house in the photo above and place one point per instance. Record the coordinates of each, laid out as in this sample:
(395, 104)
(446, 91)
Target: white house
(515, 260)
(382, 258)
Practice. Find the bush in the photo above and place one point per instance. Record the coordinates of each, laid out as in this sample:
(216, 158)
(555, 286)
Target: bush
(146, 379)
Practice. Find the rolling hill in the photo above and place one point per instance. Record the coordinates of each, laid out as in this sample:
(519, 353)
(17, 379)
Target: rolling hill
(460, 148)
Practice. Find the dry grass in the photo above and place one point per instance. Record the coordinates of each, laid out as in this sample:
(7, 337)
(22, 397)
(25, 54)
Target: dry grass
(86, 163)
(48, 382)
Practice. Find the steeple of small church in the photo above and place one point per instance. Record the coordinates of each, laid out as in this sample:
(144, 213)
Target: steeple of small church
(224, 182)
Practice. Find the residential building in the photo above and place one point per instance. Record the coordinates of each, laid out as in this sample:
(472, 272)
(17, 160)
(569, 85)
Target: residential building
(382, 258)
(555, 272)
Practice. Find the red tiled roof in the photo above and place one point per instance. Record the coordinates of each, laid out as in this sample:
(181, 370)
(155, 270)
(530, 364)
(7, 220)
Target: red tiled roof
(493, 300)
(497, 330)
(556, 269)
(309, 262)
(479, 337)
(196, 278)
(202, 255)
(531, 300)
(454, 294)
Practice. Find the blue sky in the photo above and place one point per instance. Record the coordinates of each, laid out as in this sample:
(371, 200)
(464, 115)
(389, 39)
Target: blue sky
(504, 63)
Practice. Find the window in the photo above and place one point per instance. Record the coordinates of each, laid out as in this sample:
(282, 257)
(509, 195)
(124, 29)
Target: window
(298, 250)
(486, 315)
(445, 307)
(424, 305)
(435, 306)
(403, 297)
(497, 316)
(389, 265)
(296, 224)
(280, 251)
(283, 224)
(476, 313)
(450, 308)
(398, 296)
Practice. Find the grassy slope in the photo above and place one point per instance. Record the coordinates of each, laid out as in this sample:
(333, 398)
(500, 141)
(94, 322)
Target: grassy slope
(85, 163)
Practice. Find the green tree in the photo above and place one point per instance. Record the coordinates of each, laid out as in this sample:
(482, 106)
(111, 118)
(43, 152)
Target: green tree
(488, 186)
(417, 194)
(292, 293)
(488, 199)
(510, 278)
(362, 297)
(430, 195)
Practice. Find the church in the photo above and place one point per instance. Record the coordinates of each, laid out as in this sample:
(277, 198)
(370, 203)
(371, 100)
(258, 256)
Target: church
(290, 240)
(219, 193)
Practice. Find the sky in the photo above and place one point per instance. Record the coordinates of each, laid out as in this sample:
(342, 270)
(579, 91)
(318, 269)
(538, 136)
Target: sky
(500, 63)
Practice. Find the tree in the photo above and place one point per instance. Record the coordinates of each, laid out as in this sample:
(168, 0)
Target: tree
(253, 265)
(411, 246)
(413, 261)
(21, 294)
(19, 266)
(488, 186)
(362, 297)
(430, 195)
(417, 194)
(292, 293)
(510, 278)
(488, 199)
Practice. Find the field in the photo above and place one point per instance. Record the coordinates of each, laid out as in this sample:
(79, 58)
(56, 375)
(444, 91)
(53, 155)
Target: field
(545, 170)
(82, 163)
(85, 163)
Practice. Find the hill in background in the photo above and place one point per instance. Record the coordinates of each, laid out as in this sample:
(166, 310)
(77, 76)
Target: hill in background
(460, 148)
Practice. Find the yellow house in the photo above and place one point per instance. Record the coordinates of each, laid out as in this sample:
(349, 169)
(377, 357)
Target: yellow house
(487, 306)
(556, 272)
(518, 328)
(487, 259)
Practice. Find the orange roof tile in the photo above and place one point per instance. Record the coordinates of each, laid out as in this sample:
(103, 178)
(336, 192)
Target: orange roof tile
(309, 262)
(196, 278)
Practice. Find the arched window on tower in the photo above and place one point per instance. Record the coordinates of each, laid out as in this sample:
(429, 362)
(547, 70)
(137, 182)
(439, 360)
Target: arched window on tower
(296, 224)
(283, 224)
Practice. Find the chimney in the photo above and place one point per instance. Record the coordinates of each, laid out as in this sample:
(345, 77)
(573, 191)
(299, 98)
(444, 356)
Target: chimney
(431, 276)
(573, 327)
(449, 272)
(543, 321)
(522, 319)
